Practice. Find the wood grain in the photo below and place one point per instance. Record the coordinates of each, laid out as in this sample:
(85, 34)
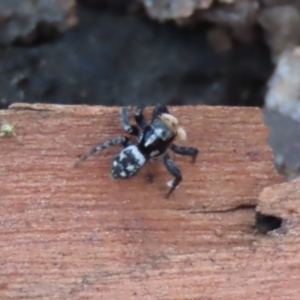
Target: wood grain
(76, 234)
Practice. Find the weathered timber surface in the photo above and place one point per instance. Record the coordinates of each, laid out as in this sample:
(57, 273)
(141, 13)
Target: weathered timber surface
(70, 233)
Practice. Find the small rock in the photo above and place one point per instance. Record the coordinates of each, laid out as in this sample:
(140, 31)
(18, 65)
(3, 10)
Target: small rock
(284, 86)
(164, 10)
(281, 24)
(240, 16)
(25, 21)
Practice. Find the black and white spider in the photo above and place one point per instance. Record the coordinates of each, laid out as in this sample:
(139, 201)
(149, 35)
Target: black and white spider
(153, 140)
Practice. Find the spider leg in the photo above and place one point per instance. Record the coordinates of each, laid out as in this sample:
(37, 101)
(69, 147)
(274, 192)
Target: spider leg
(139, 118)
(131, 129)
(173, 169)
(158, 110)
(187, 151)
(119, 140)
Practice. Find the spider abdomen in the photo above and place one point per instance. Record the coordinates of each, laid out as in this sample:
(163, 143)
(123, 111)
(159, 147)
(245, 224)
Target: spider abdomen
(127, 163)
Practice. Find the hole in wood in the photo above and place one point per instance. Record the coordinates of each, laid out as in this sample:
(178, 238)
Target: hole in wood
(266, 223)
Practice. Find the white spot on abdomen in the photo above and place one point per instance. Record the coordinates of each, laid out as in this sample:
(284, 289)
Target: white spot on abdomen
(139, 157)
(130, 168)
(123, 154)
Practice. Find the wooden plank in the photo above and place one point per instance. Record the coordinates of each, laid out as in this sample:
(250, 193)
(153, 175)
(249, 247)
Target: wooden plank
(76, 234)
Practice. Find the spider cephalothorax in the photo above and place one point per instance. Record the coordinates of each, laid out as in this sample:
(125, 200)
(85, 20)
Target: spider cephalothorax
(153, 140)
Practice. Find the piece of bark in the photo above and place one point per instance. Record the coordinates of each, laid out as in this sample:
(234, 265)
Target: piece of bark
(76, 234)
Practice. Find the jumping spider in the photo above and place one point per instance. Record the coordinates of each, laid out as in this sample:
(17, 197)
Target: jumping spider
(153, 140)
